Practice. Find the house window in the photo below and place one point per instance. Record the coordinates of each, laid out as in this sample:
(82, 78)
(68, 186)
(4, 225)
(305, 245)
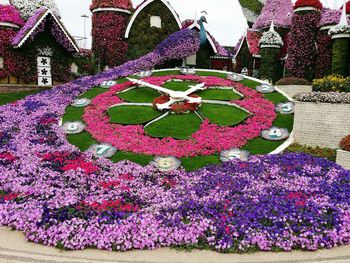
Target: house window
(156, 21)
(1, 63)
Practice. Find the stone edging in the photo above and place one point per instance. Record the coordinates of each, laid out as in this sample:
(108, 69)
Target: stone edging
(29, 252)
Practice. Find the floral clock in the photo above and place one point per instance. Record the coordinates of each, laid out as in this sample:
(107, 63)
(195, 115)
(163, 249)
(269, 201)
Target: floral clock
(191, 121)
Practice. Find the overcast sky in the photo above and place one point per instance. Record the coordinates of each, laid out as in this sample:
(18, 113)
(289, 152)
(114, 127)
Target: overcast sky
(225, 18)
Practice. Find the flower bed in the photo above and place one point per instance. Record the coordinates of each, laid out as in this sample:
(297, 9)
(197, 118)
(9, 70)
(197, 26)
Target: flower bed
(332, 83)
(61, 197)
(124, 206)
(209, 139)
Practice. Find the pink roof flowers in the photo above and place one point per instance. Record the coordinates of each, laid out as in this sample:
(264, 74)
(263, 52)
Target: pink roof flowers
(278, 11)
(9, 14)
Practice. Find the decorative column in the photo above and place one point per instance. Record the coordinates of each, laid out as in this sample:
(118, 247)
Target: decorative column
(109, 21)
(341, 45)
(329, 18)
(270, 47)
(302, 48)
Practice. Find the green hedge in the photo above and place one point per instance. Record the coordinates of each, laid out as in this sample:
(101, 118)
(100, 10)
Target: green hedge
(340, 61)
(269, 65)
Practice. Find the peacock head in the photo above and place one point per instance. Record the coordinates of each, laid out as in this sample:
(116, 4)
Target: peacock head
(203, 17)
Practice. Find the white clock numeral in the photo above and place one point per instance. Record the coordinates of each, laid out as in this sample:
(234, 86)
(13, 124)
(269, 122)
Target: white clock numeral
(72, 127)
(102, 149)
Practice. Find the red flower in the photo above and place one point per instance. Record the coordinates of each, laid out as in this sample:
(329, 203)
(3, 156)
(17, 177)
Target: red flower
(312, 3)
(7, 157)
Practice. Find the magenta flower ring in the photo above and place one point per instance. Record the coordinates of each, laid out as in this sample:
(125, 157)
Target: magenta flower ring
(142, 135)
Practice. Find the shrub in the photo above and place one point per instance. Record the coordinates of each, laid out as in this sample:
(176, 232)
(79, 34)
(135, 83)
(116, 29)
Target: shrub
(340, 60)
(327, 153)
(293, 81)
(332, 83)
(345, 143)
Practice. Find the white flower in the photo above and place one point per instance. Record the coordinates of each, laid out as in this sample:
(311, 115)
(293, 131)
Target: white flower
(79, 103)
(74, 127)
(271, 38)
(234, 154)
(166, 164)
(27, 8)
(339, 29)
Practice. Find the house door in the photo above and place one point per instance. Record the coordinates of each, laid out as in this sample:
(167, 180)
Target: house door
(44, 71)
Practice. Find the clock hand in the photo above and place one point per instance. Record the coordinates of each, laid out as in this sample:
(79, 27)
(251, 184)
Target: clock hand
(195, 88)
(161, 89)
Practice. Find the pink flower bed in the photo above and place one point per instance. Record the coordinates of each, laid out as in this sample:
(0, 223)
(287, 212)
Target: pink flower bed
(209, 139)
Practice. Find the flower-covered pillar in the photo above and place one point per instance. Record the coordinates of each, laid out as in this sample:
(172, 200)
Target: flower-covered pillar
(329, 18)
(302, 47)
(109, 21)
(341, 46)
(270, 47)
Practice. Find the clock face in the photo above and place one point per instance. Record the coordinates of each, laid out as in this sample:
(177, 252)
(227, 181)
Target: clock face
(177, 115)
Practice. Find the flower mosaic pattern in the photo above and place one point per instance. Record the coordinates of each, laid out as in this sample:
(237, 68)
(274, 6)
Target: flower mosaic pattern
(209, 138)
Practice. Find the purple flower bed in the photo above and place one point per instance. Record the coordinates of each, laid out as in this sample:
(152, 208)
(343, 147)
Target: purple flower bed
(61, 197)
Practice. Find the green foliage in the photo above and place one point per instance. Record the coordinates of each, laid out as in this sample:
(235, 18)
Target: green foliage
(132, 114)
(222, 115)
(254, 5)
(180, 126)
(340, 59)
(269, 66)
(218, 94)
(140, 95)
(143, 38)
(332, 83)
(316, 151)
(12, 97)
(275, 97)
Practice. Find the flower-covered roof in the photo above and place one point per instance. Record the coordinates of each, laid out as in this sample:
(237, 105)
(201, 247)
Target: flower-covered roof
(121, 4)
(308, 3)
(253, 38)
(9, 14)
(278, 11)
(36, 24)
(271, 37)
(329, 17)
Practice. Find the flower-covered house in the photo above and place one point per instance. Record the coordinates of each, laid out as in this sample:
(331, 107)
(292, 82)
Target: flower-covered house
(35, 48)
(304, 28)
(122, 33)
